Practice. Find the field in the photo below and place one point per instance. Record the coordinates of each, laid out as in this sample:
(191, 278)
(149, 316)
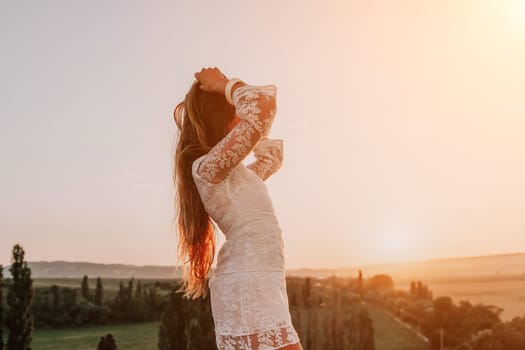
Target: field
(141, 336)
(108, 283)
(111, 285)
(509, 295)
(390, 335)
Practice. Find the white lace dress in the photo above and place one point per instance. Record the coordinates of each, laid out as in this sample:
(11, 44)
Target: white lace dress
(248, 288)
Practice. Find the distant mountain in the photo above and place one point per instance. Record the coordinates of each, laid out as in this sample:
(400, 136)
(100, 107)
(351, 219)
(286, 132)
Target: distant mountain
(67, 269)
(504, 265)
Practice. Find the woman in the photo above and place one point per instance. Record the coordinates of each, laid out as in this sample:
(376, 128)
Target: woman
(221, 121)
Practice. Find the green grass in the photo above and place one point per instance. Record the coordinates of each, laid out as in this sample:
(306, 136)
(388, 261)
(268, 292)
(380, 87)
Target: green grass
(136, 336)
(390, 335)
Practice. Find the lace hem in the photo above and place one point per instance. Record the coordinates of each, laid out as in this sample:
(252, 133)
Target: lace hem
(270, 339)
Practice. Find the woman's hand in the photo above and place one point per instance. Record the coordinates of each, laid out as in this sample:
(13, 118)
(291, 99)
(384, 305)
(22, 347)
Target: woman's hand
(211, 79)
(269, 148)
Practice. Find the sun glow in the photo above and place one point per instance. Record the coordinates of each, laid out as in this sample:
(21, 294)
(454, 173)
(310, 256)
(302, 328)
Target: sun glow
(394, 245)
(514, 14)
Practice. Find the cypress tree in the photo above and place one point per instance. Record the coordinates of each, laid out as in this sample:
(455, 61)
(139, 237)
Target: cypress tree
(307, 291)
(55, 302)
(85, 288)
(413, 288)
(20, 319)
(360, 283)
(172, 330)
(99, 292)
(129, 290)
(1, 307)
(121, 295)
(138, 290)
(419, 289)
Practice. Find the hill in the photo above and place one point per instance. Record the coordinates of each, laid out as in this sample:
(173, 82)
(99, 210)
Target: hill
(502, 266)
(67, 269)
(476, 267)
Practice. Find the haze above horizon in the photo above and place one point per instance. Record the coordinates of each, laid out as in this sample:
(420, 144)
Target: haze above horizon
(402, 125)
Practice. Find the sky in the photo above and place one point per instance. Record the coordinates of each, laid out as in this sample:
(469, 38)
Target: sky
(402, 122)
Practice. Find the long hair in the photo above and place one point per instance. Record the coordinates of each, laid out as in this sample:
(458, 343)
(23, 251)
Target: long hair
(202, 119)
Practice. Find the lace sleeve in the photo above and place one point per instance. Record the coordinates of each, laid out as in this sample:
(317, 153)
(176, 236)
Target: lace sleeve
(269, 158)
(256, 106)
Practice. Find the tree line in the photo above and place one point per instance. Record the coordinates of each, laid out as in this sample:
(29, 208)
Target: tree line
(24, 307)
(449, 325)
(58, 306)
(18, 315)
(327, 314)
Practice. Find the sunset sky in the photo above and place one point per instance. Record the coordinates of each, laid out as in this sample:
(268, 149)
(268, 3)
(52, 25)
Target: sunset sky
(403, 124)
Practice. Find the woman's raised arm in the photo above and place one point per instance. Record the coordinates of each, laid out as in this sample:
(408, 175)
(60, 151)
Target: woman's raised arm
(256, 107)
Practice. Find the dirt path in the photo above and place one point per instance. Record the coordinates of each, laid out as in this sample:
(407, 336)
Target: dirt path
(390, 335)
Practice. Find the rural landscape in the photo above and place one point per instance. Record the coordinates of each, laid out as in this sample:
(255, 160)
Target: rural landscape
(369, 154)
(331, 309)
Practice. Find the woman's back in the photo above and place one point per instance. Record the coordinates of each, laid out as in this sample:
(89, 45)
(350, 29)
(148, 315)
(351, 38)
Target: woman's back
(248, 289)
(242, 208)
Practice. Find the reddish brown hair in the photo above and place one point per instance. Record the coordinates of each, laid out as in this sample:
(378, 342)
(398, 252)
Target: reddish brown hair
(202, 119)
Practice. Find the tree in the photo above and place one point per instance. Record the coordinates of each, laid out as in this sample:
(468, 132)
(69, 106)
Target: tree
(138, 291)
(55, 302)
(413, 289)
(69, 302)
(99, 292)
(20, 319)
(307, 290)
(107, 342)
(381, 281)
(1, 307)
(507, 336)
(121, 294)
(129, 289)
(85, 288)
(186, 324)
(360, 283)
(153, 300)
(172, 326)
(419, 289)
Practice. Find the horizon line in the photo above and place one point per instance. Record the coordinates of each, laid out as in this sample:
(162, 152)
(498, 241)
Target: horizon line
(296, 268)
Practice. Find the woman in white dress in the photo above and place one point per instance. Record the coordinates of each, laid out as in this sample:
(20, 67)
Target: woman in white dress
(220, 122)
